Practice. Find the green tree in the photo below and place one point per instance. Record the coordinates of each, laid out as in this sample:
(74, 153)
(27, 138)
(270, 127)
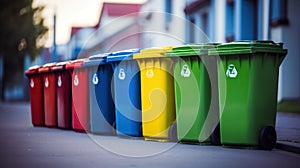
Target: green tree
(22, 32)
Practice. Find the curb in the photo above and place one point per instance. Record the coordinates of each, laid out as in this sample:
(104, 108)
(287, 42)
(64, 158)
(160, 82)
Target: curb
(288, 146)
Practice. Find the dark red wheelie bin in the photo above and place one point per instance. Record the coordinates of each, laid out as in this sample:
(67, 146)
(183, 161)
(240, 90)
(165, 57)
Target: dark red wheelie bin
(63, 95)
(49, 82)
(36, 96)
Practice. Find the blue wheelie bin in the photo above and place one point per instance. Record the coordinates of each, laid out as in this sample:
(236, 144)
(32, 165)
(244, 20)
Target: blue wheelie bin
(102, 108)
(127, 91)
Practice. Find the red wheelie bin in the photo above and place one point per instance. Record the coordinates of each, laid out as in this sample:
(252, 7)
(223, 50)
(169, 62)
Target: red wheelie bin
(80, 95)
(49, 82)
(64, 95)
(36, 96)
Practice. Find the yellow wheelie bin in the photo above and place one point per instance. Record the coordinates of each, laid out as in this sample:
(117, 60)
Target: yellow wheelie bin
(157, 92)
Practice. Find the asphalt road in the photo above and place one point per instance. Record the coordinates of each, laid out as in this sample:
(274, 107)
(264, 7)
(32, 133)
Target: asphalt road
(22, 145)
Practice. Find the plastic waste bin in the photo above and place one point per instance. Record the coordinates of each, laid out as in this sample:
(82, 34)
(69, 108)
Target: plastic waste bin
(127, 92)
(80, 95)
(157, 92)
(50, 106)
(248, 82)
(193, 93)
(36, 96)
(64, 95)
(102, 108)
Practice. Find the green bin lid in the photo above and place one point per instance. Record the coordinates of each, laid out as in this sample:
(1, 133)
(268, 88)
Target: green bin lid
(248, 47)
(191, 50)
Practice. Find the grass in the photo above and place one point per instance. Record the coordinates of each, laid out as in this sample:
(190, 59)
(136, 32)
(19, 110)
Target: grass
(289, 106)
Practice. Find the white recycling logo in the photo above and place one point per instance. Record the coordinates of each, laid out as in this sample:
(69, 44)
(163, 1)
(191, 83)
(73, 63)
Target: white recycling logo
(59, 81)
(76, 80)
(95, 79)
(122, 74)
(185, 71)
(149, 73)
(231, 71)
(31, 83)
(46, 82)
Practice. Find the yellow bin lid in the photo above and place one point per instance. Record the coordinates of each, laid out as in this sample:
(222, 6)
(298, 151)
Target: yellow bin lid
(153, 52)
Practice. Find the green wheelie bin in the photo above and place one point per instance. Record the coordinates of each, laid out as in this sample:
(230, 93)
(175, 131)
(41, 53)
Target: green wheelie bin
(248, 83)
(194, 95)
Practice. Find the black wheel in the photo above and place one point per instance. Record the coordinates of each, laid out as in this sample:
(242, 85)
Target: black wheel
(215, 136)
(173, 132)
(267, 138)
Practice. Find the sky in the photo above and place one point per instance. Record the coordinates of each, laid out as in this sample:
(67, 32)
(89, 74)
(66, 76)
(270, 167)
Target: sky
(71, 13)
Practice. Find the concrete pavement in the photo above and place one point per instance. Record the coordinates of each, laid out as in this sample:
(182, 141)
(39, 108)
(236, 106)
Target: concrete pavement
(288, 131)
(23, 145)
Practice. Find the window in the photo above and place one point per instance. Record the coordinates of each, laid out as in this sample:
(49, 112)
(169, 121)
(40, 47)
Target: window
(168, 10)
(229, 21)
(204, 26)
(278, 13)
(192, 30)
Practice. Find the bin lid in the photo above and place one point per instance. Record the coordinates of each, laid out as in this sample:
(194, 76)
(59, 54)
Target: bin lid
(248, 47)
(47, 67)
(191, 50)
(75, 64)
(32, 70)
(122, 55)
(60, 66)
(154, 52)
(96, 60)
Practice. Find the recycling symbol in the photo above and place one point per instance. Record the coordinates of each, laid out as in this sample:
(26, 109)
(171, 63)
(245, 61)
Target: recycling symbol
(95, 79)
(185, 71)
(76, 80)
(31, 83)
(149, 73)
(59, 82)
(122, 74)
(231, 71)
(46, 82)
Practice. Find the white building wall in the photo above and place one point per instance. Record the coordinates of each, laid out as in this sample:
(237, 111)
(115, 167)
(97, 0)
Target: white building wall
(289, 78)
(154, 31)
(219, 26)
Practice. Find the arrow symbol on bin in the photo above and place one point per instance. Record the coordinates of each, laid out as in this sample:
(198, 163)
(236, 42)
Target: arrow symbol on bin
(46, 82)
(122, 74)
(149, 73)
(231, 71)
(76, 80)
(185, 71)
(95, 79)
(59, 82)
(31, 83)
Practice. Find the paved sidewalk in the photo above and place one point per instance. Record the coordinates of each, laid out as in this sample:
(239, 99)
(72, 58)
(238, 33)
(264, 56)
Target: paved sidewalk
(23, 145)
(288, 131)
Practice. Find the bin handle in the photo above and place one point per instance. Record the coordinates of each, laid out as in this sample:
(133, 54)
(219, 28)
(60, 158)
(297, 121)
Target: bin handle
(259, 41)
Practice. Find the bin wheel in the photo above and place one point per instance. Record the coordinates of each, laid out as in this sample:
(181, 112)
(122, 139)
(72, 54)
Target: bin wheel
(215, 136)
(267, 138)
(173, 132)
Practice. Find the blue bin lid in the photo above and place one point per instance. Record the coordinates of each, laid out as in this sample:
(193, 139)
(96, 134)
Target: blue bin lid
(96, 60)
(122, 55)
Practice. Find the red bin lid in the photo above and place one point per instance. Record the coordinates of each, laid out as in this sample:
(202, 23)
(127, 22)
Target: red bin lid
(46, 67)
(60, 66)
(75, 64)
(32, 70)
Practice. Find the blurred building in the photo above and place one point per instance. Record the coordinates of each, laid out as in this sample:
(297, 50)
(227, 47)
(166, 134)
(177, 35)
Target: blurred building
(162, 23)
(118, 29)
(232, 20)
(169, 22)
